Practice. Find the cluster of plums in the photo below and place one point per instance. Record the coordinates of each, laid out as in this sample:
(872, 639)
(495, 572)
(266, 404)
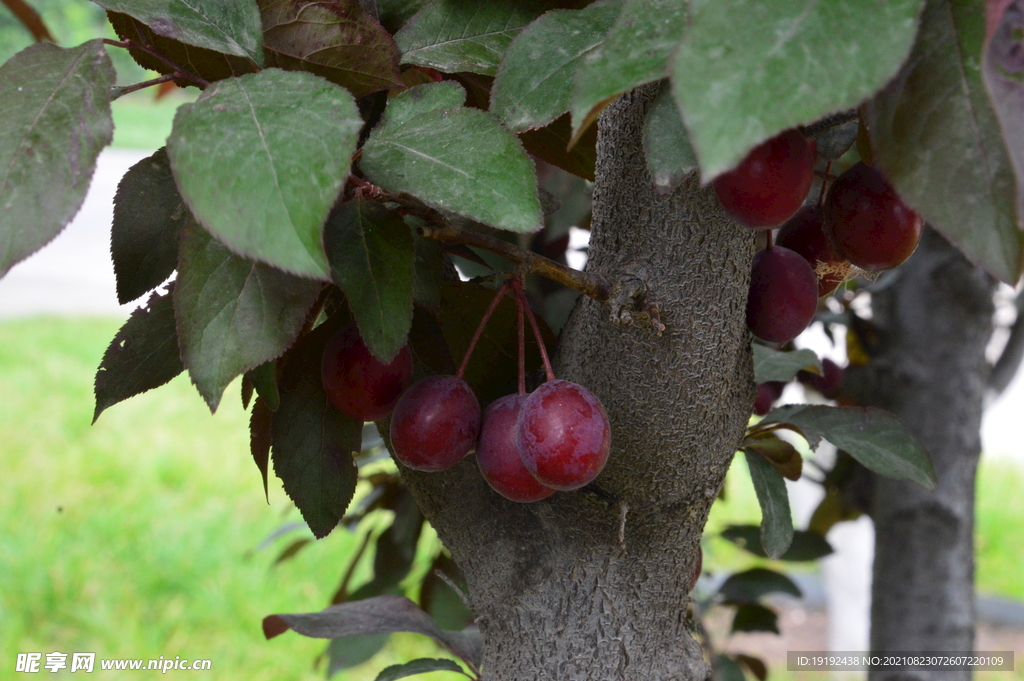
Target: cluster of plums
(527, 445)
(863, 223)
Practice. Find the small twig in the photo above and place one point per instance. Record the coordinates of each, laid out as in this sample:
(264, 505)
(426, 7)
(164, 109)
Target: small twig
(179, 72)
(830, 122)
(120, 91)
(825, 182)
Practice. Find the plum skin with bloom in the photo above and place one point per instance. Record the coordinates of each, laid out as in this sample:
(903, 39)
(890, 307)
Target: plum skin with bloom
(358, 384)
(783, 295)
(563, 435)
(497, 453)
(435, 423)
(771, 183)
(867, 222)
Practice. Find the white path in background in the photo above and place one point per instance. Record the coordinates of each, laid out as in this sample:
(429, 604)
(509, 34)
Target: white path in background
(73, 274)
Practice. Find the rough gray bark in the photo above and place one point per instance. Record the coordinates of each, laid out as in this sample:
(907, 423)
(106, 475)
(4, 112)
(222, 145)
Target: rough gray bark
(930, 371)
(557, 595)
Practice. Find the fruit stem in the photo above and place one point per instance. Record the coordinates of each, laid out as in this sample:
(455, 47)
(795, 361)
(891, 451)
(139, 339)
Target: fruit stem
(518, 288)
(125, 89)
(480, 329)
(521, 331)
(825, 182)
(768, 236)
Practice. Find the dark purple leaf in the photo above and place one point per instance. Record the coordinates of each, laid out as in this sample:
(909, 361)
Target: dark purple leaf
(313, 443)
(420, 666)
(142, 356)
(755, 618)
(148, 219)
(751, 585)
(260, 436)
(379, 615)
(336, 40)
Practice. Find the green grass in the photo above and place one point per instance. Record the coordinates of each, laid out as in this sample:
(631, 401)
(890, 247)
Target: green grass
(132, 537)
(143, 122)
(129, 538)
(999, 510)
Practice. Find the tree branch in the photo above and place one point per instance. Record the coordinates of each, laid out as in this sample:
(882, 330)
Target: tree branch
(531, 263)
(439, 228)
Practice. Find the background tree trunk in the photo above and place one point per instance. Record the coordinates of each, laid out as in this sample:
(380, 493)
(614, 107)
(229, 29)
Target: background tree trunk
(930, 370)
(557, 595)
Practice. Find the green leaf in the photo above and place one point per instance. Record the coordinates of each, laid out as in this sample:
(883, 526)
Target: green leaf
(372, 260)
(260, 171)
(874, 437)
(754, 617)
(209, 65)
(746, 70)
(233, 314)
(260, 438)
(535, 80)
(775, 365)
(429, 273)
(338, 41)
(777, 452)
(460, 160)
(464, 35)
(752, 585)
(670, 157)
(350, 651)
(971, 195)
(56, 119)
(313, 443)
(551, 144)
(776, 520)
(148, 219)
(421, 666)
(422, 99)
(395, 13)
(142, 356)
(727, 669)
(806, 545)
(1003, 72)
(228, 27)
(264, 380)
(396, 546)
(636, 52)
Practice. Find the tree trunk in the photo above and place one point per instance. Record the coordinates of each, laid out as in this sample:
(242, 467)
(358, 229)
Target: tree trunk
(929, 370)
(592, 585)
